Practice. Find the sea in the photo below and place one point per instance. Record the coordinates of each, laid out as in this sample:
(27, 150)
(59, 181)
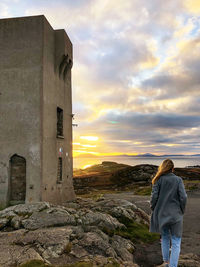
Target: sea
(183, 161)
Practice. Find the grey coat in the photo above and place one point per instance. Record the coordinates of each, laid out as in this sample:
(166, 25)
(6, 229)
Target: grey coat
(168, 201)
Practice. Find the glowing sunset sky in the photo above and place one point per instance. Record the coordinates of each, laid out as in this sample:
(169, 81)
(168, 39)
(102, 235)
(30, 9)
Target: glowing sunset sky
(136, 72)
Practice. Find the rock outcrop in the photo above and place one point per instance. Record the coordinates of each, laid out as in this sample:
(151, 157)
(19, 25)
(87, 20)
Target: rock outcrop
(134, 174)
(111, 175)
(100, 233)
(83, 230)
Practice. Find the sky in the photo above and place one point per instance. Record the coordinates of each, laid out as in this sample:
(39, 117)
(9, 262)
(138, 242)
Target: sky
(135, 76)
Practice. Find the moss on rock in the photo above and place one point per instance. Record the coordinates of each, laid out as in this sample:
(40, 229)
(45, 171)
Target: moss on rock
(136, 232)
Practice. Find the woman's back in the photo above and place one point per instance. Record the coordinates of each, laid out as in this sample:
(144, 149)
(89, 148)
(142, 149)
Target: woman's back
(168, 200)
(170, 204)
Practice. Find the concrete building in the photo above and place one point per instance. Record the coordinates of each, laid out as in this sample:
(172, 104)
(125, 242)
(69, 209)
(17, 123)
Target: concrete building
(35, 112)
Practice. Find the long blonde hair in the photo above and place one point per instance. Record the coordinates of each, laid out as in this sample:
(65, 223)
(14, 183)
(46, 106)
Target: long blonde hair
(165, 167)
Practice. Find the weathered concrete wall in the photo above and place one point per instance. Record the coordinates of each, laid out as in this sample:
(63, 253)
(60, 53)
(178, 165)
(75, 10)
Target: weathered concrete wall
(21, 43)
(32, 86)
(56, 93)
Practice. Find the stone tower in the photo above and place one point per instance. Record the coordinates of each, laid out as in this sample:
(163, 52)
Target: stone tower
(35, 112)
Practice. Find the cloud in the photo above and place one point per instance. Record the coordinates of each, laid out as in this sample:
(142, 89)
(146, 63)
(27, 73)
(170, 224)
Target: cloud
(136, 70)
(4, 10)
(193, 6)
(139, 133)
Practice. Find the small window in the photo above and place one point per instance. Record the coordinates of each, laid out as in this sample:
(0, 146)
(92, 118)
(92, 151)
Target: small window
(59, 173)
(59, 122)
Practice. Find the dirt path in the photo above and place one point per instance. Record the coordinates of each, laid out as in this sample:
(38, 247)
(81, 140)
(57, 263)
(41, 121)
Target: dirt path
(150, 255)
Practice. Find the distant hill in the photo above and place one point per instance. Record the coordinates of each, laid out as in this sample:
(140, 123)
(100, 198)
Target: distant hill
(157, 156)
(138, 156)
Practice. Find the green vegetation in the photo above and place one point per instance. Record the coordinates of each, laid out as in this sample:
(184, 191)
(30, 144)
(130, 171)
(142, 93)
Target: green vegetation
(192, 184)
(2, 207)
(113, 264)
(78, 264)
(192, 187)
(39, 263)
(136, 232)
(142, 191)
(137, 190)
(34, 263)
(97, 194)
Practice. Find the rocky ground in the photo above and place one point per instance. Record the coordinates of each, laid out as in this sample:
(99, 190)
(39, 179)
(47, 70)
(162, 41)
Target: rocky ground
(83, 230)
(109, 230)
(112, 231)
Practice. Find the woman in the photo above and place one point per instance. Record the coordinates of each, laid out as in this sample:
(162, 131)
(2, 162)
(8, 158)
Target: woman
(168, 200)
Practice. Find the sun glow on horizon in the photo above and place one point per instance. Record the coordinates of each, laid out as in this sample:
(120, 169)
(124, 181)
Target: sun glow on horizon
(77, 153)
(86, 166)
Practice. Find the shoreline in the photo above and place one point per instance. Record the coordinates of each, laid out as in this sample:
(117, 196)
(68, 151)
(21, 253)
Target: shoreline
(180, 162)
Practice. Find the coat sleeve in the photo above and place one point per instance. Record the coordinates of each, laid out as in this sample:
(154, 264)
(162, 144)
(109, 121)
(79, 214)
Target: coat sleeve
(154, 195)
(182, 195)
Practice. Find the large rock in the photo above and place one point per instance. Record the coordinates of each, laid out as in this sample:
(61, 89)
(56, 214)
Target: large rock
(123, 247)
(24, 209)
(83, 230)
(11, 253)
(134, 174)
(99, 219)
(48, 219)
(122, 210)
(97, 244)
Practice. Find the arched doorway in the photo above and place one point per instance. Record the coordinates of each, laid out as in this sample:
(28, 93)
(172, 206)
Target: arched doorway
(17, 179)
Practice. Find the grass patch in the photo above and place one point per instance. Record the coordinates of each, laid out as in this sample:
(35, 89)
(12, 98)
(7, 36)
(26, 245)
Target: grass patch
(192, 184)
(143, 191)
(114, 264)
(192, 187)
(137, 232)
(97, 194)
(78, 264)
(34, 263)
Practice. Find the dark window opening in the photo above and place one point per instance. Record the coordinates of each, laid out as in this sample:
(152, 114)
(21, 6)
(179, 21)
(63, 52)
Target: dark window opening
(17, 179)
(59, 173)
(59, 122)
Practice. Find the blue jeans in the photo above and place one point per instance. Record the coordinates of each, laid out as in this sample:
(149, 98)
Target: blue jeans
(175, 247)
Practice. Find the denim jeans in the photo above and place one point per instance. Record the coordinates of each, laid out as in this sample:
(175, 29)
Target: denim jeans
(172, 257)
